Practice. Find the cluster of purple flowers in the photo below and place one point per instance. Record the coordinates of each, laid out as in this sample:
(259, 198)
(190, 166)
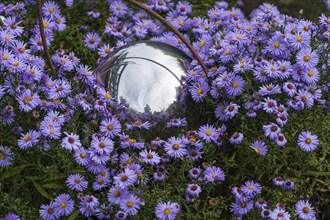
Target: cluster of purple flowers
(263, 66)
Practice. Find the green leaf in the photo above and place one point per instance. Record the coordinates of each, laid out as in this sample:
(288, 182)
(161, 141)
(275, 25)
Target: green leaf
(74, 215)
(41, 190)
(52, 186)
(317, 173)
(14, 171)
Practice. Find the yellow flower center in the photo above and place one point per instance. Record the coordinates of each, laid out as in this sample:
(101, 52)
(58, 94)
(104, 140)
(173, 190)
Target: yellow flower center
(130, 204)
(83, 155)
(2, 155)
(308, 140)
(77, 180)
(299, 39)
(46, 25)
(202, 43)
(305, 210)
(117, 193)
(7, 37)
(200, 91)
(51, 10)
(276, 44)
(208, 132)
(16, 63)
(234, 85)
(310, 73)
(167, 211)
(5, 57)
(251, 187)
(307, 58)
(239, 37)
(107, 96)
(110, 127)
(27, 138)
(63, 205)
(118, 8)
(257, 150)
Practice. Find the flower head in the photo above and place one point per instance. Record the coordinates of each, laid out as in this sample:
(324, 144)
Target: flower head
(307, 141)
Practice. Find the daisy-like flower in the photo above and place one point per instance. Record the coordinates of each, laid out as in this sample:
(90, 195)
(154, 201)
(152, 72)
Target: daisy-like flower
(81, 156)
(130, 204)
(251, 188)
(118, 8)
(213, 173)
(199, 91)
(289, 184)
(50, 9)
(12, 217)
(63, 205)
(47, 212)
(193, 190)
(307, 58)
(261, 203)
(279, 214)
(272, 130)
(5, 156)
(208, 133)
(92, 40)
(76, 182)
(174, 147)
(116, 194)
(28, 140)
(235, 86)
(195, 173)
(150, 157)
(278, 181)
(240, 208)
(167, 210)
(307, 141)
(304, 210)
(71, 141)
(28, 100)
(138, 124)
(88, 205)
(125, 178)
(120, 215)
(236, 138)
(259, 147)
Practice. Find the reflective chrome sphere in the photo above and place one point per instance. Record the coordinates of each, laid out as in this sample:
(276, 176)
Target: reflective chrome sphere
(147, 74)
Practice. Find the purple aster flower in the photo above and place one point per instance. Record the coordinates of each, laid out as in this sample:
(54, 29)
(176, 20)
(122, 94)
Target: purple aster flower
(130, 204)
(236, 86)
(71, 142)
(12, 217)
(193, 190)
(50, 9)
(289, 88)
(269, 89)
(269, 105)
(305, 98)
(47, 212)
(304, 210)
(116, 194)
(102, 145)
(28, 100)
(125, 178)
(299, 40)
(236, 138)
(63, 205)
(183, 8)
(167, 210)
(213, 173)
(276, 47)
(265, 213)
(118, 8)
(28, 140)
(138, 124)
(176, 122)
(260, 203)
(150, 157)
(5, 156)
(307, 58)
(208, 133)
(195, 173)
(279, 214)
(59, 23)
(159, 176)
(12, 25)
(7, 38)
(199, 91)
(251, 188)
(105, 50)
(81, 156)
(92, 40)
(307, 141)
(241, 208)
(272, 130)
(220, 113)
(231, 110)
(278, 181)
(259, 147)
(175, 147)
(120, 215)
(88, 205)
(76, 182)
(280, 140)
(288, 184)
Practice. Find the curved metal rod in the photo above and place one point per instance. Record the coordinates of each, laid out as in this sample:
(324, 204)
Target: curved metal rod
(43, 37)
(172, 28)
